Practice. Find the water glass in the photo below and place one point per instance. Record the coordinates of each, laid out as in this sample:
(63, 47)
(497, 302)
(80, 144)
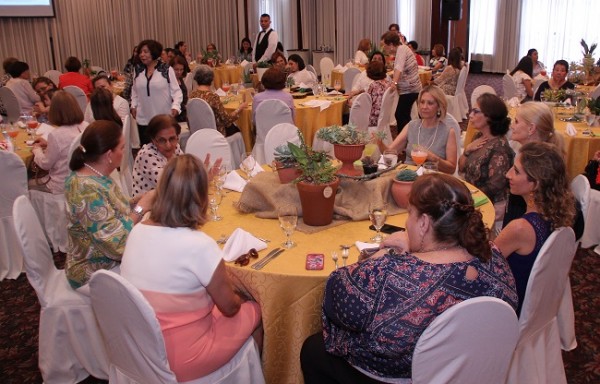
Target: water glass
(378, 216)
(390, 158)
(288, 219)
(430, 167)
(214, 201)
(248, 164)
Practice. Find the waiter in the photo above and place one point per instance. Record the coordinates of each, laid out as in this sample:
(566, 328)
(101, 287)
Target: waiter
(266, 40)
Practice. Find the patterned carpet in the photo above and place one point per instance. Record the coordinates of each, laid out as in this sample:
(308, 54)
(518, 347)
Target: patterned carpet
(19, 318)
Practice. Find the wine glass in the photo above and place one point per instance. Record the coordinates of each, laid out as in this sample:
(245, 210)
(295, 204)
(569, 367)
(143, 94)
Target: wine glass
(390, 158)
(226, 87)
(220, 176)
(418, 154)
(248, 164)
(288, 218)
(214, 202)
(378, 215)
(13, 132)
(337, 85)
(32, 125)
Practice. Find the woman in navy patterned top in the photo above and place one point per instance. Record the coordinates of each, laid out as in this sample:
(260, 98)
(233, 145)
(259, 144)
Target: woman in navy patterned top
(539, 176)
(375, 311)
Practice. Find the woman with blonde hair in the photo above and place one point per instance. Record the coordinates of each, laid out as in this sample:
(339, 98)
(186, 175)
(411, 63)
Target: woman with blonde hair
(364, 46)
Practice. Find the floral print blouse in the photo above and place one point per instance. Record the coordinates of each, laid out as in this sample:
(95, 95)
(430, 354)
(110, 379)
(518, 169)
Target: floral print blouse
(376, 91)
(222, 117)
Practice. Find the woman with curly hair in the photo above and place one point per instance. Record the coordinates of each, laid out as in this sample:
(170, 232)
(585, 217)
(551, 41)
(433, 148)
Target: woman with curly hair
(538, 175)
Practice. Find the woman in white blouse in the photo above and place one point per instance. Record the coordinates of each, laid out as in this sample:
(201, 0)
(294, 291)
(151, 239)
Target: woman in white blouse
(522, 76)
(361, 58)
(19, 84)
(299, 73)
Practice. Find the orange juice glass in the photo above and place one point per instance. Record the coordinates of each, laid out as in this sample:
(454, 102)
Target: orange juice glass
(418, 156)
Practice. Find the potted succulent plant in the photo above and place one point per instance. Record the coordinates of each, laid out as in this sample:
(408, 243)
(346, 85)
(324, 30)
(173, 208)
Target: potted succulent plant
(261, 68)
(285, 164)
(369, 165)
(317, 184)
(402, 185)
(348, 145)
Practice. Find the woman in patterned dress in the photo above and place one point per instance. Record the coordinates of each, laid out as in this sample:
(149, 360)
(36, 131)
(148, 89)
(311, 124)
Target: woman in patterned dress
(375, 311)
(381, 82)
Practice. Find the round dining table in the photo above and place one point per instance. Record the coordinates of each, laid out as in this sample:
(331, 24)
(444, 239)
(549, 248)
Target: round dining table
(291, 296)
(336, 75)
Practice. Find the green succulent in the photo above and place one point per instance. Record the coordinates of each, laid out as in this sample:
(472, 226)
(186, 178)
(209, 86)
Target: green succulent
(345, 135)
(407, 175)
(284, 155)
(263, 64)
(316, 166)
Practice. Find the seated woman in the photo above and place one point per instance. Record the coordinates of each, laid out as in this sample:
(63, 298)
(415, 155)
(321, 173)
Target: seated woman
(101, 107)
(486, 160)
(522, 77)
(44, 87)
(164, 134)
(430, 132)
(204, 76)
(539, 176)
(299, 73)
(180, 270)
(413, 45)
(181, 68)
(448, 79)
(20, 86)
(120, 105)
(538, 66)
(381, 82)
(558, 79)
(53, 155)
(100, 217)
(245, 52)
(274, 82)
(182, 48)
(73, 77)
(438, 62)
(361, 58)
(362, 81)
(278, 61)
(375, 311)
(212, 54)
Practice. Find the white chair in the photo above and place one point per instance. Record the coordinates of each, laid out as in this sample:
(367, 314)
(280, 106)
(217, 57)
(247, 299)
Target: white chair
(210, 141)
(591, 234)
(188, 81)
(388, 107)
(14, 185)
(53, 75)
(312, 69)
(135, 344)
(79, 96)
(326, 66)
(471, 342)
(536, 84)
(11, 104)
(580, 186)
(126, 167)
(349, 76)
(281, 133)
(452, 123)
(537, 357)
(52, 212)
(360, 111)
(480, 90)
(70, 343)
(200, 115)
(509, 87)
(98, 70)
(595, 93)
(457, 103)
(268, 114)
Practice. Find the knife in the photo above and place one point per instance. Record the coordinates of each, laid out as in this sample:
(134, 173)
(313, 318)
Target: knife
(267, 259)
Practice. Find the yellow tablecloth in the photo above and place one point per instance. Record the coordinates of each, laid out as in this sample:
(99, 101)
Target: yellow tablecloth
(290, 296)
(424, 76)
(308, 119)
(24, 151)
(227, 73)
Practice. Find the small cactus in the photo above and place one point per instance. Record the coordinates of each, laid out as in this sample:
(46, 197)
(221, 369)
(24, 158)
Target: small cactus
(406, 175)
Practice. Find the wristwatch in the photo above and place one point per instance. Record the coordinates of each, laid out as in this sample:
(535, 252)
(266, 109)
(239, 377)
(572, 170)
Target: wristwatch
(139, 210)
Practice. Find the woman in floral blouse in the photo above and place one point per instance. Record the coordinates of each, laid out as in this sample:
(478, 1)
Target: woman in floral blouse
(375, 311)
(376, 72)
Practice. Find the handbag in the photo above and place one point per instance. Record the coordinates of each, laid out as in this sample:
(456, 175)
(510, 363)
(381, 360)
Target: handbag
(34, 172)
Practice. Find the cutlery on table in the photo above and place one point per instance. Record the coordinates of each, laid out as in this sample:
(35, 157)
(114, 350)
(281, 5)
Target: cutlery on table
(334, 257)
(223, 239)
(270, 256)
(345, 253)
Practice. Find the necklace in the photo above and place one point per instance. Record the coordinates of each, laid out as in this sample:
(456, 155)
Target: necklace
(93, 169)
(443, 248)
(432, 140)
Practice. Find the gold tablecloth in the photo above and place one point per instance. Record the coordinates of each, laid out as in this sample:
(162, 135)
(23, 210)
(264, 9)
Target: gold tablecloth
(424, 76)
(308, 119)
(227, 73)
(290, 296)
(24, 150)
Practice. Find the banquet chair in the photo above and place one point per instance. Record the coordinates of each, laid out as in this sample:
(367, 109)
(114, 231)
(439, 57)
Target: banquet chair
(268, 114)
(471, 342)
(312, 69)
(457, 103)
(135, 344)
(70, 344)
(98, 70)
(388, 107)
(580, 186)
(281, 133)
(537, 357)
(360, 111)
(210, 141)
(52, 213)
(595, 93)
(14, 174)
(326, 66)
(349, 76)
(79, 96)
(53, 75)
(509, 89)
(126, 166)
(480, 90)
(11, 104)
(200, 115)
(188, 80)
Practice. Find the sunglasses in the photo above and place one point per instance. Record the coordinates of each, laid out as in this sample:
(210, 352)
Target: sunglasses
(244, 259)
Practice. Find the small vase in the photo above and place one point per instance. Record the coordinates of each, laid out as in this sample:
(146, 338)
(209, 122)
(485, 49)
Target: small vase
(348, 154)
(317, 202)
(287, 175)
(400, 191)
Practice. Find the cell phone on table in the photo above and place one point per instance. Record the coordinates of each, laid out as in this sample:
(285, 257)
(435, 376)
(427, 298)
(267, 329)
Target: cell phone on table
(388, 228)
(315, 261)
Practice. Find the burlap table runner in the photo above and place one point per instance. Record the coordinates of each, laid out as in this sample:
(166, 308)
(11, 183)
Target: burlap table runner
(263, 194)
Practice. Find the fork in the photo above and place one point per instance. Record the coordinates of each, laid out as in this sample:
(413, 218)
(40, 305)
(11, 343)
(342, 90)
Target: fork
(223, 239)
(345, 253)
(334, 257)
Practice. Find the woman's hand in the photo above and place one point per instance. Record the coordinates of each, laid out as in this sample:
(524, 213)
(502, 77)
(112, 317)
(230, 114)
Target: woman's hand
(214, 169)
(147, 200)
(133, 112)
(40, 142)
(475, 145)
(398, 241)
(174, 112)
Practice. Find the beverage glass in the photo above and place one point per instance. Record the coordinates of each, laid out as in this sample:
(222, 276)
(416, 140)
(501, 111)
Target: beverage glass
(32, 125)
(288, 219)
(226, 87)
(214, 201)
(430, 167)
(248, 164)
(13, 132)
(337, 85)
(378, 215)
(418, 154)
(590, 119)
(220, 176)
(390, 158)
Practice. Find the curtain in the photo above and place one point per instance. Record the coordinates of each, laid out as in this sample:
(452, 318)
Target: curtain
(482, 31)
(506, 39)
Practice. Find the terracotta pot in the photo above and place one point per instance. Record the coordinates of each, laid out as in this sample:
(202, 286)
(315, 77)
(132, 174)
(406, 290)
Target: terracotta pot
(317, 202)
(400, 191)
(368, 169)
(286, 175)
(348, 154)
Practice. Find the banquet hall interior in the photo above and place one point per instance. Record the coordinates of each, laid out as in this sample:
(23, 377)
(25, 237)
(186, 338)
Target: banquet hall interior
(493, 35)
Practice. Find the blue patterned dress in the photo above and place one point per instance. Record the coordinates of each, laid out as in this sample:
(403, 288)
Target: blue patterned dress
(374, 312)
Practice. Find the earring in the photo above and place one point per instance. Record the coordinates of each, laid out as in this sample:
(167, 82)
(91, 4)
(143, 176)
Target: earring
(530, 198)
(439, 113)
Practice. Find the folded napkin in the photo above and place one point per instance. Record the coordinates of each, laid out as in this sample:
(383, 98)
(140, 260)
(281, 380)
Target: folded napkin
(304, 86)
(323, 104)
(334, 93)
(257, 169)
(44, 130)
(234, 182)
(340, 68)
(362, 245)
(570, 130)
(244, 63)
(514, 102)
(220, 92)
(239, 243)
(479, 200)
(228, 62)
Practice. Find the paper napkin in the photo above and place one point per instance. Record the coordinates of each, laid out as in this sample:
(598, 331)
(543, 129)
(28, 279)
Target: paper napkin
(570, 130)
(514, 102)
(220, 92)
(322, 104)
(244, 63)
(334, 93)
(234, 182)
(239, 243)
(257, 169)
(362, 245)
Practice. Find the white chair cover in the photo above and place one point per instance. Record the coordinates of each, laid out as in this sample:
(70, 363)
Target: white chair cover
(471, 342)
(536, 84)
(53, 75)
(282, 133)
(134, 134)
(349, 76)
(200, 115)
(595, 93)
(126, 167)
(480, 90)
(537, 358)
(360, 111)
(509, 87)
(388, 108)
(188, 81)
(268, 114)
(14, 184)
(135, 344)
(312, 69)
(79, 96)
(326, 66)
(11, 104)
(70, 344)
(211, 141)
(52, 213)
(580, 186)
(591, 232)
(457, 103)
(98, 70)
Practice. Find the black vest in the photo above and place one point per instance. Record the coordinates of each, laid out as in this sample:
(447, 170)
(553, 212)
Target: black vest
(262, 46)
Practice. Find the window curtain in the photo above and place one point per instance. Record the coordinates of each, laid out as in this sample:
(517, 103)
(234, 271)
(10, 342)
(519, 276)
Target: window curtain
(482, 31)
(414, 18)
(506, 39)
(284, 20)
(317, 26)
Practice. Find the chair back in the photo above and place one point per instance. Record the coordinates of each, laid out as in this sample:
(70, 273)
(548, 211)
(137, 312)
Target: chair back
(131, 332)
(74, 145)
(79, 96)
(595, 93)
(11, 104)
(312, 69)
(268, 114)
(188, 81)
(281, 133)
(349, 76)
(580, 186)
(200, 115)
(471, 342)
(126, 167)
(509, 87)
(53, 75)
(210, 141)
(388, 108)
(460, 93)
(480, 90)
(360, 111)
(326, 66)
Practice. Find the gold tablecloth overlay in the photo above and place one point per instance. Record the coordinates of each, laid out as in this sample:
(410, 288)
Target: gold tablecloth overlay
(227, 73)
(290, 296)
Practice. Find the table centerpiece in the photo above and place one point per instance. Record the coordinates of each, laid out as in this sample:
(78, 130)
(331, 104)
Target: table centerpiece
(348, 145)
